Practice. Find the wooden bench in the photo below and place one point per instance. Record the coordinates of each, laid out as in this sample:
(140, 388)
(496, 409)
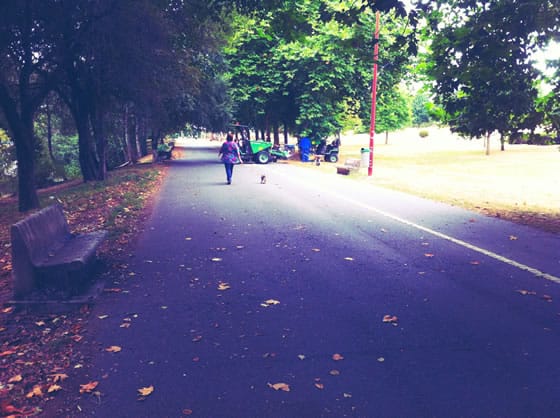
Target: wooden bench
(45, 255)
(166, 152)
(350, 165)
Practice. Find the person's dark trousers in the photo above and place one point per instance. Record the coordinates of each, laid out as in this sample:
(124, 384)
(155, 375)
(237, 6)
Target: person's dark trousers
(229, 171)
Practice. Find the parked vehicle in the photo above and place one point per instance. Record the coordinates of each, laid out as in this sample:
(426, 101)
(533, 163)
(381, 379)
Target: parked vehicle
(260, 152)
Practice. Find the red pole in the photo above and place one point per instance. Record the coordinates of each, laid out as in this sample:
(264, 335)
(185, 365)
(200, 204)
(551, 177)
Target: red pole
(373, 94)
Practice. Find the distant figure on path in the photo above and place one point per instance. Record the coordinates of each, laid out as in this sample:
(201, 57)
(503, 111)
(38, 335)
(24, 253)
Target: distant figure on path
(230, 156)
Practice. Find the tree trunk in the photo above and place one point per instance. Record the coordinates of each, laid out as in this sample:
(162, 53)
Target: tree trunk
(285, 133)
(386, 137)
(49, 130)
(276, 134)
(25, 152)
(88, 163)
(137, 138)
(21, 130)
(502, 142)
(132, 145)
(488, 143)
(97, 119)
(126, 145)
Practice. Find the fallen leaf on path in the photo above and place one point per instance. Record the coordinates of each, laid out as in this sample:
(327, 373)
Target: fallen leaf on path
(7, 353)
(428, 255)
(113, 290)
(216, 259)
(40, 323)
(88, 387)
(381, 359)
(223, 286)
(475, 263)
(146, 391)
(347, 395)
(390, 318)
(113, 349)
(197, 338)
(9, 309)
(272, 302)
(512, 238)
(548, 298)
(187, 411)
(526, 292)
(337, 357)
(315, 250)
(301, 357)
(348, 258)
(280, 386)
(319, 386)
(103, 316)
(334, 372)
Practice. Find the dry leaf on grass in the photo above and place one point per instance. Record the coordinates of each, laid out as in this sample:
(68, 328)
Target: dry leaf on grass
(88, 387)
(15, 379)
(59, 377)
(36, 391)
(53, 388)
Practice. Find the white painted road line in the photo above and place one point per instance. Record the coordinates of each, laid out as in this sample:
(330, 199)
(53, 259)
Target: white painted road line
(449, 238)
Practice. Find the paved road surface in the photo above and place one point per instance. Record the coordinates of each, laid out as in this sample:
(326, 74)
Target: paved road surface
(234, 289)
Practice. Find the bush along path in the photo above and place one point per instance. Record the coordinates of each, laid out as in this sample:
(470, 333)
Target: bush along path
(39, 351)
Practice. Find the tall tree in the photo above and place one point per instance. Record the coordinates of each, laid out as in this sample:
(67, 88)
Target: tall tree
(27, 74)
(483, 76)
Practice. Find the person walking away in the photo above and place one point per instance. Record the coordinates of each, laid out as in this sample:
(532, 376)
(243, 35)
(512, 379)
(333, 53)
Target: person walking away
(229, 153)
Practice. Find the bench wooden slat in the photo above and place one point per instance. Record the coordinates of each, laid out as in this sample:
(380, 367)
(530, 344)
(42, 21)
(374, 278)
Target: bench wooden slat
(77, 251)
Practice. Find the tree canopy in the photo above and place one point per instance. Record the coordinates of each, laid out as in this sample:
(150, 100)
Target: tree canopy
(122, 72)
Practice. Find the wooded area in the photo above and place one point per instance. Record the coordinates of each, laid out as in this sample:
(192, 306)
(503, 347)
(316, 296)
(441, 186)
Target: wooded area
(89, 85)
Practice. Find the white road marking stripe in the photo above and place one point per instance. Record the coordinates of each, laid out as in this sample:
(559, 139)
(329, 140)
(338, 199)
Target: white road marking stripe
(449, 238)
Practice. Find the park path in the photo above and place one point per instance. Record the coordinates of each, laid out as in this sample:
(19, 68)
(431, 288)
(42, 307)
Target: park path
(235, 294)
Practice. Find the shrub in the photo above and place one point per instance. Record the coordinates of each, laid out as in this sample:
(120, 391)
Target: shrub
(423, 133)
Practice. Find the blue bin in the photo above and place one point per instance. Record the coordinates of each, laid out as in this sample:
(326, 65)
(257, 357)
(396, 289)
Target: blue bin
(304, 145)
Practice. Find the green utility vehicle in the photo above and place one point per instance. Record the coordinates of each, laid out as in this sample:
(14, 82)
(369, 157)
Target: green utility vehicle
(261, 152)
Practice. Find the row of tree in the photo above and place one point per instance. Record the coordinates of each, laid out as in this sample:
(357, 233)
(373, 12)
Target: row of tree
(141, 67)
(117, 72)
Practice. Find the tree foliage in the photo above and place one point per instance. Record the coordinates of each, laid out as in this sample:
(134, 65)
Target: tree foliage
(480, 61)
(305, 65)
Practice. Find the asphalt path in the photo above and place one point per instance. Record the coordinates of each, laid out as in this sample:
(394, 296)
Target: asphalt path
(319, 295)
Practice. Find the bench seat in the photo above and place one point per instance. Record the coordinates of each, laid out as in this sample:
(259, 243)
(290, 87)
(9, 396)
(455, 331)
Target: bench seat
(46, 255)
(350, 165)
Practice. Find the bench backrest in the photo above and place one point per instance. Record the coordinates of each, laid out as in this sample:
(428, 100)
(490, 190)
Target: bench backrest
(38, 233)
(353, 163)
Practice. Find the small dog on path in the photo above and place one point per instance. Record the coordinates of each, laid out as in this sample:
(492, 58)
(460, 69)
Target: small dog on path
(263, 179)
